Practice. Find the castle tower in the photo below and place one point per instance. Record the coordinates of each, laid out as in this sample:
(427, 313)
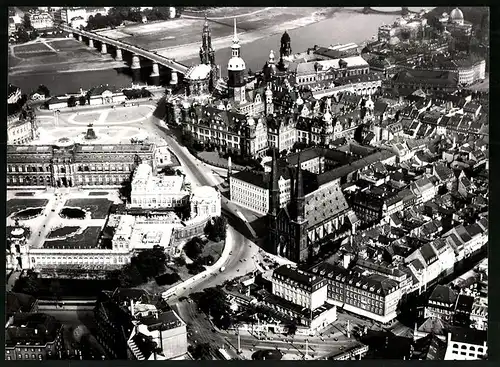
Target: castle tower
(274, 192)
(236, 70)
(269, 101)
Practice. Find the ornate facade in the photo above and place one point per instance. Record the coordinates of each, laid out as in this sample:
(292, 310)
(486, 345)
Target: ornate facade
(298, 230)
(74, 165)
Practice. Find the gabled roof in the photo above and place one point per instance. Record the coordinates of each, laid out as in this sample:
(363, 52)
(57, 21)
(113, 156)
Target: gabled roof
(443, 294)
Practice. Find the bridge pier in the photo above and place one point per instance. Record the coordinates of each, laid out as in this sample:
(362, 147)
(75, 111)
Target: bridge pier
(91, 42)
(80, 38)
(104, 48)
(136, 62)
(156, 70)
(119, 56)
(173, 77)
(70, 35)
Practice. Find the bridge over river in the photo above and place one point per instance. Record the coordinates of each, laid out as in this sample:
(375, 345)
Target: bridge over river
(137, 52)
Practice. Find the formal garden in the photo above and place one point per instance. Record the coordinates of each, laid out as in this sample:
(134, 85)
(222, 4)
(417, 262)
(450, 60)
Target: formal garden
(88, 238)
(62, 232)
(18, 205)
(97, 207)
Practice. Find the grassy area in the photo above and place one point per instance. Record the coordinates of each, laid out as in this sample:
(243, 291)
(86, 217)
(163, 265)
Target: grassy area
(87, 238)
(15, 205)
(35, 47)
(67, 45)
(62, 232)
(98, 193)
(99, 208)
(25, 194)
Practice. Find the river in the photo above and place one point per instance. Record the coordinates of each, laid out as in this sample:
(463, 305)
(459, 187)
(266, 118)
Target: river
(342, 27)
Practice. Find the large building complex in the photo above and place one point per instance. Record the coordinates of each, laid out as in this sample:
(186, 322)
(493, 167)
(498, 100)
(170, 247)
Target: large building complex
(133, 324)
(33, 336)
(74, 165)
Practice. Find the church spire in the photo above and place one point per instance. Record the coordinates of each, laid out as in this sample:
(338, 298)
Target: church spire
(207, 54)
(235, 36)
(274, 187)
(299, 193)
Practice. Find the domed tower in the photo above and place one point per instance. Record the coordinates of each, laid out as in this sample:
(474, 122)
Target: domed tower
(269, 101)
(456, 16)
(270, 69)
(236, 70)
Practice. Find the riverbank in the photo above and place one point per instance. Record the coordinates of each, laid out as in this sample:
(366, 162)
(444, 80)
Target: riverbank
(188, 51)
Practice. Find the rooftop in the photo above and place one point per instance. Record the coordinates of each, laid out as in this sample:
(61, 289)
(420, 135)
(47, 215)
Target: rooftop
(296, 275)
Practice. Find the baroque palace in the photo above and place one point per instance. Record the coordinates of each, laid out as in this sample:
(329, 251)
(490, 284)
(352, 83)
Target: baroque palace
(247, 114)
(75, 165)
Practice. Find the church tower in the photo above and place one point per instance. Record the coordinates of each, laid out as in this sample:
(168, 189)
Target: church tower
(207, 54)
(236, 70)
(285, 51)
(286, 45)
(299, 251)
(274, 193)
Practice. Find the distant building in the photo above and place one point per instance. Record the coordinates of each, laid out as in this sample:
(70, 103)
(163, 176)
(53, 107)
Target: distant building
(441, 303)
(155, 191)
(67, 14)
(426, 80)
(465, 344)
(373, 296)
(299, 287)
(104, 94)
(33, 336)
(13, 94)
(133, 324)
(312, 72)
(41, 21)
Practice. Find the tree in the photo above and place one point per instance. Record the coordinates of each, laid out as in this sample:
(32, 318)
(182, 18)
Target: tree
(193, 248)
(216, 230)
(72, 101)
(130, 276)
(291, 328)
(42, 89)
(187, 139)
(150, 262)
(82, 100)
(22, 35)
(27, 22)
(201, 351)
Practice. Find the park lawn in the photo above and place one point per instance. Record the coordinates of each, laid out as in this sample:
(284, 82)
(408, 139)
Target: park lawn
(88, 238)
(67, 45)
(87, 117)
(62, 232)
(99, 208)
(16, 205)
(35, 48)
(98, 193)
